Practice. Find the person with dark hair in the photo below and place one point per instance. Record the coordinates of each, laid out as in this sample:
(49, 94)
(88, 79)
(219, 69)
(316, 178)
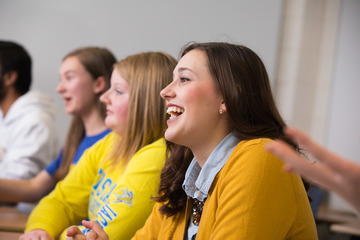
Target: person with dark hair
(84, 76)
(28, 136)
(218, 181)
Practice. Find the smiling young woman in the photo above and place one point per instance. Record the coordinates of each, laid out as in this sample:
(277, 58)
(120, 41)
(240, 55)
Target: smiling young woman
(218, 181)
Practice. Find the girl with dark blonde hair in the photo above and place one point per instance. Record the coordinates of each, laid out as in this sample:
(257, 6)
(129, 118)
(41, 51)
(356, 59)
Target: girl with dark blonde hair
(115, 179)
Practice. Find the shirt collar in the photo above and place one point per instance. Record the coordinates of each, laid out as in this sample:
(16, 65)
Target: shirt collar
(198, 181)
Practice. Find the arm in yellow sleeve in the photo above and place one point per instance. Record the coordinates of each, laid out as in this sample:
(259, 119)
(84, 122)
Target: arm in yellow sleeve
(68, 203)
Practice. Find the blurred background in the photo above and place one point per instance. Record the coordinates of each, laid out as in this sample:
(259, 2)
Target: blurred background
(311, 49)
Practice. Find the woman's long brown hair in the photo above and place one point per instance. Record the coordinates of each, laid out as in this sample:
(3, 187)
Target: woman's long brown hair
(243, 82)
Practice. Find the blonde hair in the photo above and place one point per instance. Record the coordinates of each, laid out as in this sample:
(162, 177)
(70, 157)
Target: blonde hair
(98, 62)
(147, 74)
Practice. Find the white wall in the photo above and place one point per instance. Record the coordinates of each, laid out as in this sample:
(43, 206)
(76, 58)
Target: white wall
(344, 119)
(50, 29)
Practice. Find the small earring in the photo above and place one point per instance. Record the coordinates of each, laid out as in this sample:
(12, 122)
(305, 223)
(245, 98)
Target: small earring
(221, 111)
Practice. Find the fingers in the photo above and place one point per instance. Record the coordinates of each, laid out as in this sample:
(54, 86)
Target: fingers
(293, 161)
(319, 174)
(96, 231)
(321, 154)
(92, 236)
(36, 235)
(89, 224)
(71, 231)
(74, 233)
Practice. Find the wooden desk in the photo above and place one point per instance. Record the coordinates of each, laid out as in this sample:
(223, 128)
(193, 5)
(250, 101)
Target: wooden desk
(12, 220)
(328, 215)
(9, 235)
(349, 228)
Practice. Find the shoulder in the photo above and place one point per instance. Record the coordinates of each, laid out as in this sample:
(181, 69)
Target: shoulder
(253, 143)
(250, 156)
(107, 138)
(158, 145)
(37, 100)
(105, 142)
(156, 152)
(41, 106)
(102, 146)
(251, 167)
(251, 147)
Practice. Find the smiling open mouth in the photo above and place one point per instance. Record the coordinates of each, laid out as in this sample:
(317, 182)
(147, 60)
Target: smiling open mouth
(174, 112)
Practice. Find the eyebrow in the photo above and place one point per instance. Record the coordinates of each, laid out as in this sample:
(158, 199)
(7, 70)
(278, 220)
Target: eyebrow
(181, 69)
(69, 71)
(184, 69)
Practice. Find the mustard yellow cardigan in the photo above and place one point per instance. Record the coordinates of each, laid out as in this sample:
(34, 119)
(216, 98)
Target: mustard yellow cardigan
(250, 198)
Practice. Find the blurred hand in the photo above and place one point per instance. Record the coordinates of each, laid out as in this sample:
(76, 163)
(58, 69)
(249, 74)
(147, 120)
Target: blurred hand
(329, 170)
(37, 234)
(96, 233)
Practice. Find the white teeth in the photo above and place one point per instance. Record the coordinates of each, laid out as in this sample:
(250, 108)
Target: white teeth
(172, 110)
(175, 110)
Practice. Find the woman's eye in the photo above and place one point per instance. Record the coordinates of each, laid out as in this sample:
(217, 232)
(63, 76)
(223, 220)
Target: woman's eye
(69, 77)
(118, 92)
(184, 79)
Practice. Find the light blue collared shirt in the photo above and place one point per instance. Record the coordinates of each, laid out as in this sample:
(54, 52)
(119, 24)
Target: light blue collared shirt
(198, 180)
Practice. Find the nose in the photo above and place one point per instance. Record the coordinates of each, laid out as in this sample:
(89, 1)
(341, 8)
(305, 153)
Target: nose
(167, 92)
(60, 87)
(104, 98)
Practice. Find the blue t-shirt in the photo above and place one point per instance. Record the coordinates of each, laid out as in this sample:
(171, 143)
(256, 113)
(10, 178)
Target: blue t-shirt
(87, 142)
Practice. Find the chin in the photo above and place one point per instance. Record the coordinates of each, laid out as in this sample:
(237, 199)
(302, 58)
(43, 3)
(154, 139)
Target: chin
(171, 137)
(70, 112)
(110, 125)
(167, 135)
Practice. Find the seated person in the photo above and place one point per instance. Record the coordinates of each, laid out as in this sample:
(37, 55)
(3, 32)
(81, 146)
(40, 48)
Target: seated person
(114, 180)
(85, 75)
(28, 136)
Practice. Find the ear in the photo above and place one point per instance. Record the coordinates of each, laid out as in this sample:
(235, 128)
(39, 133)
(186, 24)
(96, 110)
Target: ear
(222, 106)
(99, 84)
(10, 78)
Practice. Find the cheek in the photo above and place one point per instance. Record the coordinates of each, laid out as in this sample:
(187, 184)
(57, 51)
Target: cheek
(121, 112)
(198, 99)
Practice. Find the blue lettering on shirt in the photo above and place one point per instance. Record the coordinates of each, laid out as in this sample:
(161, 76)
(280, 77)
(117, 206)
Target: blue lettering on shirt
(101, 173)
(103, 222)
(106, 214)
(107, 183)
(100, 195)
(113, 213)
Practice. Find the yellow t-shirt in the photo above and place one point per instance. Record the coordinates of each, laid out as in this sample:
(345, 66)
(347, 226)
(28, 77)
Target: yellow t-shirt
(119, 199)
